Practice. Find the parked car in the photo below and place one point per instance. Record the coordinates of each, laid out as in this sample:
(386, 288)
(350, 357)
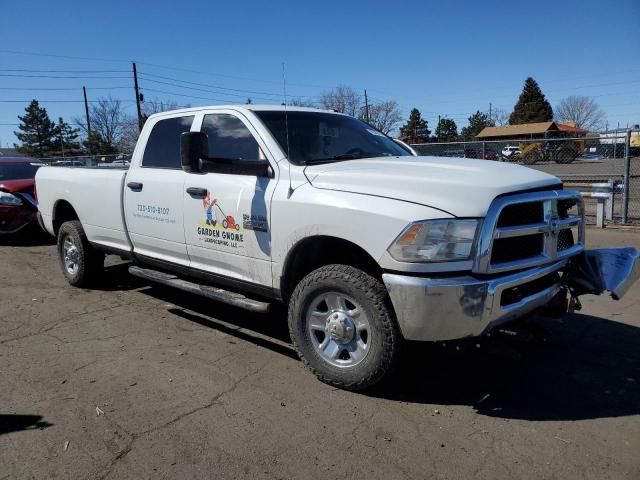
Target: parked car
(367, 245)
(510, 150)
(18, 207)
(476, 152)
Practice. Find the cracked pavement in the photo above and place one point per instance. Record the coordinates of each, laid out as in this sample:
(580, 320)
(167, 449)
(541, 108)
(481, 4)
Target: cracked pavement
(146, 382)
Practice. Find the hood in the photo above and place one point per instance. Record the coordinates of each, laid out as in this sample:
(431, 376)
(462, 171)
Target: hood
(460, 186)
(25, 185)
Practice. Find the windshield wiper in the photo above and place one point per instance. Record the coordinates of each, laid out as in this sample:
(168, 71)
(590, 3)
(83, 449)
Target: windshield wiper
(335, 158)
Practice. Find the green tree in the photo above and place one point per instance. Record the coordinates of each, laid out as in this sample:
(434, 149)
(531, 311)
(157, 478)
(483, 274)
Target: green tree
(97, 145)
(447, 130)
(65, 139)
(532, 106)
(416, 130)
(477, 122)
(36, 133)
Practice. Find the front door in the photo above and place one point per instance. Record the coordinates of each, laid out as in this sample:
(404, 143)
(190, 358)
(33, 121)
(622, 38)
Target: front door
(153, 194)
(226, 216)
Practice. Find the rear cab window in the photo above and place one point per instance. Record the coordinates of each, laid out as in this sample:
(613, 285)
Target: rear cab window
(163, 146)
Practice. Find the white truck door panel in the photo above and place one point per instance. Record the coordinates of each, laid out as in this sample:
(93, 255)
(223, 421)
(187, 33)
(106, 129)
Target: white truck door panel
(227, 229)
(154, 191)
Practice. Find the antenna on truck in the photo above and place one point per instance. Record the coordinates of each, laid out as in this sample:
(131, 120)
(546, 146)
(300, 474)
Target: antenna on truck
(286, 128)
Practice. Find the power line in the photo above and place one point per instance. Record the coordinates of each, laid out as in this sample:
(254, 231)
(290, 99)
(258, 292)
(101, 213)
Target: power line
(186, 96)
(61, 88)
(210, 86)
(60, 101)
(59, 71)
(70, 57)
(58, 76)
(199, 89)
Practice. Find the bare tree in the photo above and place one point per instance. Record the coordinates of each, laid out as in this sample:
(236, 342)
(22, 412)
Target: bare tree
(343, 99)
(300, 102)
(130, 133)
(499, 117)
(149, 107)
(108, 120)
(385, 116)
(581, 111)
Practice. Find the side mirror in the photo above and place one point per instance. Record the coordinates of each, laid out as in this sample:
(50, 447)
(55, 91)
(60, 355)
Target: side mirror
(193, 147)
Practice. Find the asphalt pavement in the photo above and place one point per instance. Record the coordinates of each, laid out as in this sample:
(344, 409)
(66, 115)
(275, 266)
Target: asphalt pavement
(135, 381)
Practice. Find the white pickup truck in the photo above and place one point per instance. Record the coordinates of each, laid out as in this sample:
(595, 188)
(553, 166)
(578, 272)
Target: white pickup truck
(368, 245)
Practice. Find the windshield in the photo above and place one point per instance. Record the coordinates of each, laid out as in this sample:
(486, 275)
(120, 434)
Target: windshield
(18, 170)
(316, 137)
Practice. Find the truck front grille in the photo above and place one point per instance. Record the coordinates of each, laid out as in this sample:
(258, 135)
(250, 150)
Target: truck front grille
(529, 229)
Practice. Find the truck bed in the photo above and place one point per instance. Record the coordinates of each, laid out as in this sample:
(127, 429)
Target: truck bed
(95, 193)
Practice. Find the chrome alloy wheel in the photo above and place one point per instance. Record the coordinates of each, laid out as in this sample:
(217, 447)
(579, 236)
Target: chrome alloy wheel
(339, 329)
(70, 252)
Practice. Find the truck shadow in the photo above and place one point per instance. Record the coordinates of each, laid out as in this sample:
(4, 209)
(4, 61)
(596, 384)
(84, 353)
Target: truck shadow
(587, 369)
(31, 236)
(18, 423)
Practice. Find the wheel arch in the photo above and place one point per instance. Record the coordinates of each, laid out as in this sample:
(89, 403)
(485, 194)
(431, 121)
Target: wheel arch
(63, 211)
(317, 251)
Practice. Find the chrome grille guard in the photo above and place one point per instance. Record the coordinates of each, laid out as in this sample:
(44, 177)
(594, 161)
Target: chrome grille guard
(550, 227)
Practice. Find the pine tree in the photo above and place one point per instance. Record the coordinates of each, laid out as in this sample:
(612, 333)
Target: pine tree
(37, 131)
(477, 122)
(416, 129)
(65, 139)
(532, 105)
(97, 145)
(447, 130)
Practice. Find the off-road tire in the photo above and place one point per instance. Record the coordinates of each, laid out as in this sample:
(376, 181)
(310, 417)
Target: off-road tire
(531, 158)
(387, 342)
(90, 261)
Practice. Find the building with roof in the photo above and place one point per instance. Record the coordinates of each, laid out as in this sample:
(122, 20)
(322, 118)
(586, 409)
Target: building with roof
(527, 131)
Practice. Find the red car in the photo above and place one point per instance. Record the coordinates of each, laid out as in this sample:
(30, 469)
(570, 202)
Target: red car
(18, 206)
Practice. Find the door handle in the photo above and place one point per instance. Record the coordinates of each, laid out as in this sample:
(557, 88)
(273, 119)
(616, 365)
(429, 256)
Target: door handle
(134, 185)
(197, 192)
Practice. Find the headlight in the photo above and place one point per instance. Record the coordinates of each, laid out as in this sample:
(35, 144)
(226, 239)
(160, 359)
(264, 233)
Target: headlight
(8, 199)
(435, 241)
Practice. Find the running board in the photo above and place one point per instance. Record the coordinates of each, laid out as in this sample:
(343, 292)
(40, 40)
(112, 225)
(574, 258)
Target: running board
(213, 293)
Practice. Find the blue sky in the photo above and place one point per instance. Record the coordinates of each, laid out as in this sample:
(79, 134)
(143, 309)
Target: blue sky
(447, 58)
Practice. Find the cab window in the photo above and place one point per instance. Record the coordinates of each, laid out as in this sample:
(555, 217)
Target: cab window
(230, 138)
(163, 146)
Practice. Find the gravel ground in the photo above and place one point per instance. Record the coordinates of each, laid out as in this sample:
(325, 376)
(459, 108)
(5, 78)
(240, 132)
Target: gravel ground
(135, 381)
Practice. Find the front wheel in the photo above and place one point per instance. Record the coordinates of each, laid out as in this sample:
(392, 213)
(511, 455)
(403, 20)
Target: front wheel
(81, 263)
(343, 327)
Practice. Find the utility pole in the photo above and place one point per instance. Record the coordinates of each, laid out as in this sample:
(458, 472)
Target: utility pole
(489, 112)
(366, 106)
(86, 112)
(135, 84)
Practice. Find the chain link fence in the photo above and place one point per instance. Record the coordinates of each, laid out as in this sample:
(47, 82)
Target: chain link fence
(120, 160)
(605, 167)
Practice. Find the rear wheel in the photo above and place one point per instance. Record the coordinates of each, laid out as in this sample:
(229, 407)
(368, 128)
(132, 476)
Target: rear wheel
(81, 263)
(343, 327)
(531, 157)
(566, 154)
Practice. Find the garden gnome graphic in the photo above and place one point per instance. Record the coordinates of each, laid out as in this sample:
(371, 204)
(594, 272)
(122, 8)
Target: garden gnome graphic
(208, 206)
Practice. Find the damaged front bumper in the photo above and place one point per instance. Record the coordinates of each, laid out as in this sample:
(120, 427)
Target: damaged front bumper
(449, 308)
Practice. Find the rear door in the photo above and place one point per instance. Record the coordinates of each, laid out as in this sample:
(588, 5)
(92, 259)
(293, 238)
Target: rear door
(154, 190)
(227, 224)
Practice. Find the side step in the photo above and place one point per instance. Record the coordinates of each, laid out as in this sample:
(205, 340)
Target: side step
(213, 293)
